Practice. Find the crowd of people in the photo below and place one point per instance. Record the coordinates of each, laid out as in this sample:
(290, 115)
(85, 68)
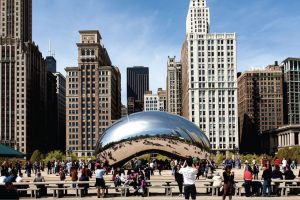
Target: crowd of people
(139, 174)
(279, 169)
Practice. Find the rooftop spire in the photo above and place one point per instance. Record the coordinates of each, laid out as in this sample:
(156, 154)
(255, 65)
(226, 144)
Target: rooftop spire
(198, 18)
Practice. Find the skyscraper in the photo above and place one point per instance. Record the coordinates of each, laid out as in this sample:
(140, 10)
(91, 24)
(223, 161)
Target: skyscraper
(16, 19)
(209, 79)
(137, 84)
(260, 105)
(23, 80)
(174, 86)
(291, 72)
(93, 95)
(61, 110)
(51, 64)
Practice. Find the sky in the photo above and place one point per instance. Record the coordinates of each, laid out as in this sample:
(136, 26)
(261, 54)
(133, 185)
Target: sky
(146, 32)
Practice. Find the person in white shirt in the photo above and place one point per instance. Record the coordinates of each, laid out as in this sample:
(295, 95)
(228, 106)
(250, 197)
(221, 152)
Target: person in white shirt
(217, 180)
(284, 162)
(189, 176)
(19, 179)
(3, 176)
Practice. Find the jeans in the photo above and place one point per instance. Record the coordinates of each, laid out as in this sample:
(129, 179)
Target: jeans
(267, 186)
(190, 190)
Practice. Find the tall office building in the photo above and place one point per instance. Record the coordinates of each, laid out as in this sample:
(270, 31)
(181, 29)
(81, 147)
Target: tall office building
(51, 64)
(155, 102)
(51, 131)
(137, 85)
(93, 95)
(56, 97)
(209, 79)
(61, 110)
(291, 71)
(23, 80)
(174, 86)
(260, 105)
(16, 19)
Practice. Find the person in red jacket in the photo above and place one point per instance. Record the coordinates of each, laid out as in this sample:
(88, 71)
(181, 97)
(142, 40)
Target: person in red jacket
(277, 162)
(248, 176)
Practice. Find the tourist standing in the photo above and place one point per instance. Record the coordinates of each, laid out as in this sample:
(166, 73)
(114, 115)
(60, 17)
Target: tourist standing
(255, 171)
(74, 176)
(28, 168)
(100, 183)
(267, 176)
(248, 176)
(228, 177)
(179, 179)
(189, 176)
(284, 163)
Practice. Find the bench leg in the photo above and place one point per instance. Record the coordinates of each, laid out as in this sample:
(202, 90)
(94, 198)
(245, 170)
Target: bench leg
(147, 192)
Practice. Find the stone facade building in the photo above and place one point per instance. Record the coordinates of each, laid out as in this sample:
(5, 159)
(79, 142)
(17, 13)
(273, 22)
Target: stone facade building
(260, 105)
(93, 97)
(174, 86)
(209, 79)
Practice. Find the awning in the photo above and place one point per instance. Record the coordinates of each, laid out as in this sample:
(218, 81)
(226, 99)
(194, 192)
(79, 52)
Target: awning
(6, 151)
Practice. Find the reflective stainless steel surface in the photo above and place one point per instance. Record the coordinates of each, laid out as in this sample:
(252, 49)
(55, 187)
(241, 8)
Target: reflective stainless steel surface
(144, 132)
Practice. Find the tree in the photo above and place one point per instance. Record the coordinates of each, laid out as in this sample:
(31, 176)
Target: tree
(289, 153)
(36, 156)
(55, 155)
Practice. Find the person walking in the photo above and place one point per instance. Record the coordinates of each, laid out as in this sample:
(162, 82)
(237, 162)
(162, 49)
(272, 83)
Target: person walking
(189, 176)
(228, 177)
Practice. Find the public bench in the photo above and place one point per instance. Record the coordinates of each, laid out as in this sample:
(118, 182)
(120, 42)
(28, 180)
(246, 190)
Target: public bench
(168, 189)
(285, 190)
(214, 190)
(56, 192)
(34, 192)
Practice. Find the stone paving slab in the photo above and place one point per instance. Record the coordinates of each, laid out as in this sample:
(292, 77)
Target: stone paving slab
(179, 198)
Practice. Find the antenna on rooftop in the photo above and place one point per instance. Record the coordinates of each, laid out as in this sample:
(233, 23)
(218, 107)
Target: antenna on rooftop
(49, 50)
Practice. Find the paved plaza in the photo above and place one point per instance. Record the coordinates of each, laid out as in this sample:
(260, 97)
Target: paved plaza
(158, 194)
(181, 198)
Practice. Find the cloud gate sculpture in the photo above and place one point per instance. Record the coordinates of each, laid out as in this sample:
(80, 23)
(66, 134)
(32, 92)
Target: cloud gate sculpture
(146, 132)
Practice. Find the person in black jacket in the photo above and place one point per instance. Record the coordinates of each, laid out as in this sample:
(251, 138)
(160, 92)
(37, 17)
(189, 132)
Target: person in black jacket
(228, 177)
(277, 174)
(179, 179)
(267, 176)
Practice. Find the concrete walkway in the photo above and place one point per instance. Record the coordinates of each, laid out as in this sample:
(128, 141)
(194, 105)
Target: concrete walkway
(181, 198)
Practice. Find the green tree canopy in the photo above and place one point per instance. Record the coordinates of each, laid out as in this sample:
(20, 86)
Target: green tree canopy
(55, 155)
(36, 156)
